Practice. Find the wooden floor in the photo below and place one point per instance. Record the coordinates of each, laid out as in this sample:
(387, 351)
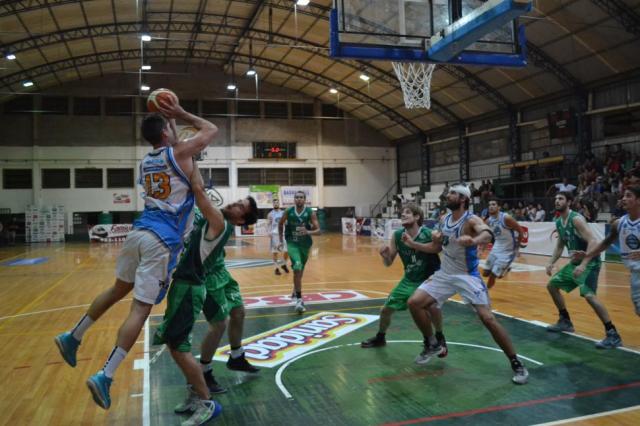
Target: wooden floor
(42, 300)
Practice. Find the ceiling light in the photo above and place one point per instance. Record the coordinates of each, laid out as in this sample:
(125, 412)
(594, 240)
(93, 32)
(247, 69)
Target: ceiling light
(231, 86)
(10, 56)
(27, 83)
(364, 77)
(145, 67)
(145, 37)
(333, 91)
(251, 72)
(302, 2)
(145, 88)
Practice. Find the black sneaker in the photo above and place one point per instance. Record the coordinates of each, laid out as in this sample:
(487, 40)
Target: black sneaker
(241, 364)
(278, 272)
(285, 269)
(214, 387)
(373, 342)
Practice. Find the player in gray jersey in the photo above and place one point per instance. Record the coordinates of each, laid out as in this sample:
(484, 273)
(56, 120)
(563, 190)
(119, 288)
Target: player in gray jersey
(274, 217)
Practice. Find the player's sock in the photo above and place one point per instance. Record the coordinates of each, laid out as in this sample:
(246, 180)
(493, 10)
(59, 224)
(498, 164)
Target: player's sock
(298, 295)
(515, 362)
(564, 314)
(205, 365)
(440, 336)
(609, 326)
(236, 352)
(117, 356)
(81, 327)
(430, 341)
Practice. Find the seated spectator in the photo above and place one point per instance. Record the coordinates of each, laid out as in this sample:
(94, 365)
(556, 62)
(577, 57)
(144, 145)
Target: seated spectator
(519, 215)
(531, 213)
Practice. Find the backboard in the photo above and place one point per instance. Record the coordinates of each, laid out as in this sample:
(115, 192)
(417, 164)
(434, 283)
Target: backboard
(402, 30)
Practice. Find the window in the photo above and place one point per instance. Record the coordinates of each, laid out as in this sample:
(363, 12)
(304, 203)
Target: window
(276, 110)
(88, 178)
(335, 176)
(86, 106)
(331, 111)
(120, 178)
(215, 177)
(118, 106)
(276, 177)
(17, 179)
(214, 108)
(306, 176)
(56, 178)
(248, 177)
(189, 105)
(302, 110)
(248, 108)
(55, 105)
(19, 105)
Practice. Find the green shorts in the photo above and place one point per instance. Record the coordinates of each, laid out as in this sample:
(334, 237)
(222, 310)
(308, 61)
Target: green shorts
(184, 304)
(588, 281)
(298, 255)
(222, 295)
(399, 296)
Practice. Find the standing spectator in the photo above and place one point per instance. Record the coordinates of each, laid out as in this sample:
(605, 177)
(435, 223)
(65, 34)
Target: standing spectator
(563, 186)
(13, 230)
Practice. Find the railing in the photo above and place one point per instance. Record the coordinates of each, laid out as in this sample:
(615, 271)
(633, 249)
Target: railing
(384, 200)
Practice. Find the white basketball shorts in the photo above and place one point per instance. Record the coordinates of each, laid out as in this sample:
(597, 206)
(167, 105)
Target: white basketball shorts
(442, 286)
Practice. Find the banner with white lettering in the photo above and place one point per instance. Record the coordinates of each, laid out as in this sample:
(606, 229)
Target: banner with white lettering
(110, 233)
(542, 237)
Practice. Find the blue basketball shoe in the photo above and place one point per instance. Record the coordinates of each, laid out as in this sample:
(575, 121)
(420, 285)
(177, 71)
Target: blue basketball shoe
(68, 346)
(99, 385)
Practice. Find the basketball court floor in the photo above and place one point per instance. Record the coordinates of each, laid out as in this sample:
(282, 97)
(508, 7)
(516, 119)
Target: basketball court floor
(325, 378)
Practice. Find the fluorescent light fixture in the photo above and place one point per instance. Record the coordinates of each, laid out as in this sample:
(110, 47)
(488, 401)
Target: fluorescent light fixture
(364, 77)
(145, 88)
(231, 86)
(10, 56)
(145, 67)
(251, 72)
(27, 83)
(302, 2)
(333, 91)
(145, 37)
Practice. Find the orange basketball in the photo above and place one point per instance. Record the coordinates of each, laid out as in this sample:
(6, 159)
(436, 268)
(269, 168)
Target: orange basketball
(165, 94)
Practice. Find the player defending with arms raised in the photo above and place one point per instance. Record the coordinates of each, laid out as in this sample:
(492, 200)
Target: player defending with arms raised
(575, 234)
(298, 224)
(274, 217)
(418, 266)
(507, 244)
(627, 231)
(150, 250)
(460, 234)
(201, 264)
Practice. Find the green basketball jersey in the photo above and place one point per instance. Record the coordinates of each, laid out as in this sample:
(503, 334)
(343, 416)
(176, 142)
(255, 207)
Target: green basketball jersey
(569, 235)
(418, 266)
(295, 221)
(192, 267)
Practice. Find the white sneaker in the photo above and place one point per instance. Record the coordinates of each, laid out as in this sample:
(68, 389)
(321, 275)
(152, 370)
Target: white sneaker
(429, 352)
(205, 411)
(189, 405)
(521, 375)
(300, 306)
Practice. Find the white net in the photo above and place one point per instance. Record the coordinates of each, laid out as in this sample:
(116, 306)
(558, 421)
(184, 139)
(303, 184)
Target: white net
(415, 80)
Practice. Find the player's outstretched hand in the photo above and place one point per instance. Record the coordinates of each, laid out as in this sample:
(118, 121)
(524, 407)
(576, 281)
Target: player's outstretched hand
(579, 270)
(436, 237)
(466, 241)
(578, 255)
(385, 251)
(549, 269)
(634, 255)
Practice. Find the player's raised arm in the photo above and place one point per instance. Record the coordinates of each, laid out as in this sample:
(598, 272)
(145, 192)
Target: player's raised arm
(186, 149)
(434, 247)
(209, 211)
(483, 234)
(515, 226)
(389, 252)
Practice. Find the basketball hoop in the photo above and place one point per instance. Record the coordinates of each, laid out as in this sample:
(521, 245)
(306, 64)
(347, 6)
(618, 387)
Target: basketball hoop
(415, 81)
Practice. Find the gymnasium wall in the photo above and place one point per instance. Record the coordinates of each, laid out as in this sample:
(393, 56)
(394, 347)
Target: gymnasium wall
(43, 141)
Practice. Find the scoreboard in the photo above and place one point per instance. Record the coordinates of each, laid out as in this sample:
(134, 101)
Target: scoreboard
(275, 150)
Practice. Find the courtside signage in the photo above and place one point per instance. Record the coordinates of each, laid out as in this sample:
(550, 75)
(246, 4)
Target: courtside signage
(274, 347)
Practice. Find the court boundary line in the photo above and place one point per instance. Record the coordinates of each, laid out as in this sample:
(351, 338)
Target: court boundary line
(283, 367)
(590, 416)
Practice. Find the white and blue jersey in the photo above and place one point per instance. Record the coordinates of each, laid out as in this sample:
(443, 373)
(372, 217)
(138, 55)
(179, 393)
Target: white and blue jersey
(168, 200)
(457, 259)
(505, 243)
(629, 240)
(275, 216)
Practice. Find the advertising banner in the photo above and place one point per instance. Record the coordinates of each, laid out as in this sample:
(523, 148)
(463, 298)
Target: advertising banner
(264, 194)
(106, 233)
(287, 194)
(348, 226)
(542, 237)
(260, 229)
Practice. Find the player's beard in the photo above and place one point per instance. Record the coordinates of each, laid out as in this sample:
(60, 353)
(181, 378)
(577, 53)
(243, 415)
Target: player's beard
(453, 205)
(562, 209)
